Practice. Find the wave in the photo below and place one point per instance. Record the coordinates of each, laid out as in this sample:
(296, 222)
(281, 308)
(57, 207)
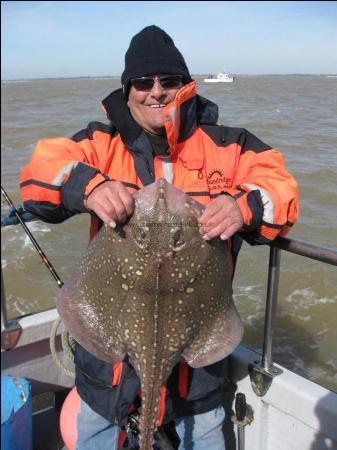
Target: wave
(14, 81)
(306, 298)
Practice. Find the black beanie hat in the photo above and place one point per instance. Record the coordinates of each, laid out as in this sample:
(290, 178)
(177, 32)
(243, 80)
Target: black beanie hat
(151, 52)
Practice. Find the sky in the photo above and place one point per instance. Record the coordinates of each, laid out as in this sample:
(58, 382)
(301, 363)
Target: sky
(89, 38)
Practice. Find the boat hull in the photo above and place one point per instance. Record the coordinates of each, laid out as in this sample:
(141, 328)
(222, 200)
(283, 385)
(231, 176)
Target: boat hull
(211, 80)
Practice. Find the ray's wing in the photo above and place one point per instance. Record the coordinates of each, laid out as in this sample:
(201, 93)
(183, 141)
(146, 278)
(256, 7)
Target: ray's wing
(216, 339)
(220, 328)
(92, 303)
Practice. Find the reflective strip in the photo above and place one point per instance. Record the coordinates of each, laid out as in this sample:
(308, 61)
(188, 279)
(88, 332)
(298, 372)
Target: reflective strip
(58, 180)
(174, 128)
(167, 169)
(117, 374)
(172, 116)
(183, 380)
(268, 206)
(161, 408)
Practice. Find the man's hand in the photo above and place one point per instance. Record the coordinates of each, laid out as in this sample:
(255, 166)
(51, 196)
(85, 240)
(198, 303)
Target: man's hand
(221, 218)
(111, 202)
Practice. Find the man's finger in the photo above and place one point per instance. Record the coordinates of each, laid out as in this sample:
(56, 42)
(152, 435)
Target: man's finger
(232, 229)
(214, 221)
(217, 230)
(225, 229)
(127, 200)
(119, 208)
(109, 217)
(210, 210)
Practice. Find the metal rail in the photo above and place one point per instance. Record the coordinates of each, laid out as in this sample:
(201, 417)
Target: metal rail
(317, 252)
(271, 302)
(262, 373)
(311, 251)
(10, 329)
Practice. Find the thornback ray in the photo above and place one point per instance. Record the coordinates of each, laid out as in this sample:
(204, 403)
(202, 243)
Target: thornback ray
(155, 290)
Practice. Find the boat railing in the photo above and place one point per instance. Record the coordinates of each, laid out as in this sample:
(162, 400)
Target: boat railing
(262, 372)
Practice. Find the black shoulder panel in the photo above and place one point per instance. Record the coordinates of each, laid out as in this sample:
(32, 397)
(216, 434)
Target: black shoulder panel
(223, 136)
(47, 212)
(87, 133)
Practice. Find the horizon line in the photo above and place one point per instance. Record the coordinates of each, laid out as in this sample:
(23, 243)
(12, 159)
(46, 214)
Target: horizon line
(196, 74)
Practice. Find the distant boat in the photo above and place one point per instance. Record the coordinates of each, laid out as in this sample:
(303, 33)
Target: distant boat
(221, 77)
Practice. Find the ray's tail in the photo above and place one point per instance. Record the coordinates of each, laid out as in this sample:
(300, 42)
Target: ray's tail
(153, 404)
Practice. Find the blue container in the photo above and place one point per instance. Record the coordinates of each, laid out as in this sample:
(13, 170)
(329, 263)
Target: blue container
(16, 414)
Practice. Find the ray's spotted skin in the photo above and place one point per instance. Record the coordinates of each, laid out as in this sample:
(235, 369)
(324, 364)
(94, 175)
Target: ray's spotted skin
(156, 290)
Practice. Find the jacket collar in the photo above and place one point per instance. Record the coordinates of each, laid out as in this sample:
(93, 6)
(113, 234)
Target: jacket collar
(181, 118)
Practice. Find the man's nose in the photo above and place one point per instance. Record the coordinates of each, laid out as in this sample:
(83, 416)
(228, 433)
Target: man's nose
(157, 90)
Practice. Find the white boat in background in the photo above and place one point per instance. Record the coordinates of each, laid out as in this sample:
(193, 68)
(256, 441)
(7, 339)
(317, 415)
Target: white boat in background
(221, 77)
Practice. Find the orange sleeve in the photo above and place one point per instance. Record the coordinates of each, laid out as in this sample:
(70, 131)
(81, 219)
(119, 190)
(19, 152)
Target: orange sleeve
(61, 172)
(261, 177)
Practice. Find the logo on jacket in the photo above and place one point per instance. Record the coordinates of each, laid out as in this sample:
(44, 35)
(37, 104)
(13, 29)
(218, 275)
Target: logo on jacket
(217, 180)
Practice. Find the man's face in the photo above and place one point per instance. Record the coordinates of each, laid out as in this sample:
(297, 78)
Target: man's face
(146, 101)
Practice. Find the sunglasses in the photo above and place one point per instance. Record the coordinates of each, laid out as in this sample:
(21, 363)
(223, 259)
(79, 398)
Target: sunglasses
(166, 82)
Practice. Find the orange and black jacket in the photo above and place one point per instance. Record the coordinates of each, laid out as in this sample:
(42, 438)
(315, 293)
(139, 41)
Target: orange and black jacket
(204, 160)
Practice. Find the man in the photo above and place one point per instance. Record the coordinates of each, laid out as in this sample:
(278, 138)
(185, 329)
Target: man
(159, 127)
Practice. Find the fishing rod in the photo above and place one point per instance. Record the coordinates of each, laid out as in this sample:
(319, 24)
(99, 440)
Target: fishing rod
(44, 258)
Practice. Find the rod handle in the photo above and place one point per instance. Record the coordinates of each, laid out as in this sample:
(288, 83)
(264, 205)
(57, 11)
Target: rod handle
(240, 406)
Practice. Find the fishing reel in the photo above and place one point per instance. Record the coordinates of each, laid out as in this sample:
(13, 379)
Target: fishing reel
(132, 430)
(165, 438)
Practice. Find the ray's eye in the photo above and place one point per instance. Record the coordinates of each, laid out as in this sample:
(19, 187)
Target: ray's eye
(177, 238)
(178, 242)
(141, 235)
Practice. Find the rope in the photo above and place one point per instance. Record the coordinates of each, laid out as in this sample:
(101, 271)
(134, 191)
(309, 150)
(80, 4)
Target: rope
(68, 344)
